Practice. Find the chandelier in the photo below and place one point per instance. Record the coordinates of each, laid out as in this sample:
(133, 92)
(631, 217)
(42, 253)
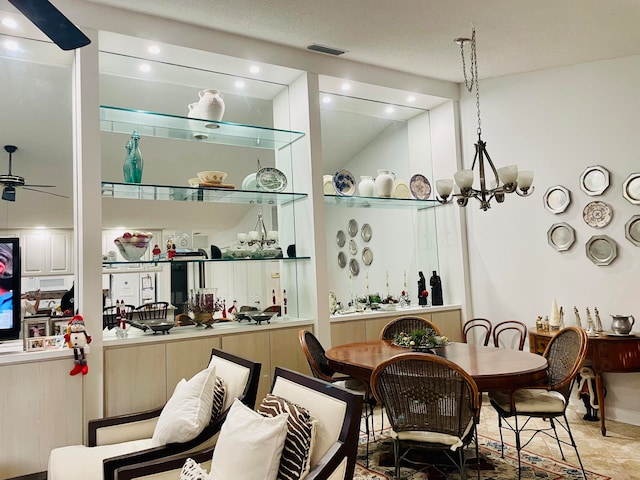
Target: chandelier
(504, 180)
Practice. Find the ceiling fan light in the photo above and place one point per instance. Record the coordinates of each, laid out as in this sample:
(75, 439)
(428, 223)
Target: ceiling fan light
(9, 194)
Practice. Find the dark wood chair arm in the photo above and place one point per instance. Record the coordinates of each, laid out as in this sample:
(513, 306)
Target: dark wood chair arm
(95, 425)
(328, 463)
(138, 470)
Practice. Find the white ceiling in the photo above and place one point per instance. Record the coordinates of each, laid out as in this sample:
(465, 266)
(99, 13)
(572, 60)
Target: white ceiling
(416, 36)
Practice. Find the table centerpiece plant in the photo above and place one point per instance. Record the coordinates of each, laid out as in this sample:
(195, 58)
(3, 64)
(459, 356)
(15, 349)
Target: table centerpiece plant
(420, 340)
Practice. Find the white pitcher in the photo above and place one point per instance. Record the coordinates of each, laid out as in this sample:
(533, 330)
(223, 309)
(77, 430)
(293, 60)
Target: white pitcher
(384, 183)
(211, 104)
(366, 187)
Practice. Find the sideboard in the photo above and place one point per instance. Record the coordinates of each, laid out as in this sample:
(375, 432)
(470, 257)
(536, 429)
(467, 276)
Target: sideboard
(606, 354)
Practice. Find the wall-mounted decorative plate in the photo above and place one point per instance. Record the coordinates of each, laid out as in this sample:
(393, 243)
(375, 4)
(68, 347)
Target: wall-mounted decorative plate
(341, 238)
(344, 183)
(597, 214)
(353, 228)
(557, 199)
(353, 248)
(561, 236)
(354, 267)
(632, 230)
(342, 260)
(594, 180)
(366, 232)
(601, 249)
(367, 256)
(631, 188)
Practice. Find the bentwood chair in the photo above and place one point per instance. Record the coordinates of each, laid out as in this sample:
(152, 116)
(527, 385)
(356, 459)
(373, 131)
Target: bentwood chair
(431, 403)
(153, 311)
(110, 315)
(565, 353)
(406, 324)
(510, 334)
(479, 329)
(320, 368)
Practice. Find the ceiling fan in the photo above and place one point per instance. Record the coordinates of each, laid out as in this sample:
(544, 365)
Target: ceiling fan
(52, 23)
(9, 181)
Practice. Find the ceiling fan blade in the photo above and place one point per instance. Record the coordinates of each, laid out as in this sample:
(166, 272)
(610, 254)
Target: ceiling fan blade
(42, 191)
(39, 186)
(52, 23)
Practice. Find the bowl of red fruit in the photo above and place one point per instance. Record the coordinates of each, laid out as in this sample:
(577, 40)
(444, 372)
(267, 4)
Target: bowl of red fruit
(133, 246)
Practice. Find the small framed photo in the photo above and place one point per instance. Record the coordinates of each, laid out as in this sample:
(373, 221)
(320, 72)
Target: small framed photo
(57, 326)
(35, 327)
(36, 343)
(53, 342)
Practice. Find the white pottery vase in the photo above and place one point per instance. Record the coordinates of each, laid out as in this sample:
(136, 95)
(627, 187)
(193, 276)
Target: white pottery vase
(384, 183)
(211, 104)
(367, 187)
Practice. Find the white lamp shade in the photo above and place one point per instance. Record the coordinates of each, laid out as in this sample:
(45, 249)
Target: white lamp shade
(508, 174)
(464, 178)
(525, 179)
(444, 187)
(253, 235)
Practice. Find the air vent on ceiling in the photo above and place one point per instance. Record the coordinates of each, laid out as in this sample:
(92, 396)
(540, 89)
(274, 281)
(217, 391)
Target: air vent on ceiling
(322, 49)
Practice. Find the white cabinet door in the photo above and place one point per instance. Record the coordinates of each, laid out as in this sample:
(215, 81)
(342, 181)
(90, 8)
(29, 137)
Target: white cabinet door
(59, 251)
(34, 253)
(46, 252)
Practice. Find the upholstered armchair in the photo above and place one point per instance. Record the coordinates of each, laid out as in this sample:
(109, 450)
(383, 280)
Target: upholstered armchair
(128, 439)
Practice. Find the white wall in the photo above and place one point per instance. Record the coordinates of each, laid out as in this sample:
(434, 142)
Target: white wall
(557, 122)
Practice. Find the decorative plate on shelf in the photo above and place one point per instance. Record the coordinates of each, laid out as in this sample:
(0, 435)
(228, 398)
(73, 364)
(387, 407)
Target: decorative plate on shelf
(420, 187)
(601, 249)
(333, 303)
(367, 256)
(366, 232)
(354, 267)
(597, 214)
(353, 227)
(341, 238)
(632, 230)
(249, 182)
(400, 189)
(271, 179)
(594, 180)
(353, 248)
(344, 183)
(342, 260)
(561, 236)
(557, 199)
(327, 185)
(631, 188)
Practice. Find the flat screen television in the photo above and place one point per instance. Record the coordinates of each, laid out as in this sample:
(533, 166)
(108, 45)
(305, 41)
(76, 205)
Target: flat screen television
(10, 316)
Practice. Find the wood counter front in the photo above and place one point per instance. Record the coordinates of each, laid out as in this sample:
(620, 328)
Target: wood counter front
(607, 355)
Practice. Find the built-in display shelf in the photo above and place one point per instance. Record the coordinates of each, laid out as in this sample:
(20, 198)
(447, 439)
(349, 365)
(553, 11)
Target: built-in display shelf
(376, 202)
(203, 260)
(122, 120)
(138, 191)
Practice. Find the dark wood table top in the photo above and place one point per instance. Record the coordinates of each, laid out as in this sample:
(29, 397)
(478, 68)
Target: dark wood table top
(491, 368)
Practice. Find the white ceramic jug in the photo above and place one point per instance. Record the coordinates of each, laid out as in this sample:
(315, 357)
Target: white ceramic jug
(384, 183)
(211, 104)
(366, 187)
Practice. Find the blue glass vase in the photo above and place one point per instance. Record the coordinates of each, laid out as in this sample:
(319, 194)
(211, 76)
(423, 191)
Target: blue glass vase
(133, 164)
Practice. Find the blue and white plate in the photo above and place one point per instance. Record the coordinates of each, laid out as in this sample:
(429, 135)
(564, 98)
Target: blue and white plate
(344, 183)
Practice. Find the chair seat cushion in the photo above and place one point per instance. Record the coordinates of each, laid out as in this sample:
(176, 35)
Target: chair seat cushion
(77, 462)
(432, 437)
(530, 401)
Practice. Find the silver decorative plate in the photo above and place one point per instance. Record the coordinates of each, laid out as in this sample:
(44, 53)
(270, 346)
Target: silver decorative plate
(367, 256)
(594, 180)
(366, 232)
(353, 228)
(632, 230)
(353, 248)
(271, 179)
(344, 182)
(597, 214)
(342, 260)
(341, 238)
(631, 188)
(601, 249)
(354, 267)
(557, 199)
(561, 236)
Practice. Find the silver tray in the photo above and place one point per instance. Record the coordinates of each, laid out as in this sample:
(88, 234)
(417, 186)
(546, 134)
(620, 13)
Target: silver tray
(341, 238)
(561, 236)
(632, 230)
(353, 227)
(366, 232)
(354, 267)
(367, 256)
(601, 249)
(597, 214)
(631, 188)
(557, 199)
(342, 260)
(594, 180)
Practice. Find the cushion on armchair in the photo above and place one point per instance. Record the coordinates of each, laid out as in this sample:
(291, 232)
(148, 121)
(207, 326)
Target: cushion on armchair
(193, 471)
(219, 393)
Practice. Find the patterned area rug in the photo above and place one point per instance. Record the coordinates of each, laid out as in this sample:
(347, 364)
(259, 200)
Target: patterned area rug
(381, 464)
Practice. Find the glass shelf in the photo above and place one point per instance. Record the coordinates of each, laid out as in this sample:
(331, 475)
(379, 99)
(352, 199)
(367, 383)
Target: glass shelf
(138, 191)
(122, 120)
(202, 260)
(375, 202)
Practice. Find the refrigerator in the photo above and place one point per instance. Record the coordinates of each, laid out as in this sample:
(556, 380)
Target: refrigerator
(134, 288)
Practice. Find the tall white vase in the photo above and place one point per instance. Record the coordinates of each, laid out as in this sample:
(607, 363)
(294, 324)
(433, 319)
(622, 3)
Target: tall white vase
(367, 187)
(384, 183)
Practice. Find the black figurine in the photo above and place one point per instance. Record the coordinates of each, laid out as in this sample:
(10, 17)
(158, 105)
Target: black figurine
(422, 289)
(436, 289)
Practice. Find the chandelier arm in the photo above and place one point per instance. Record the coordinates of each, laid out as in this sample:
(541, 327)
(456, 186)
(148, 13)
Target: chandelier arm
(493, 167)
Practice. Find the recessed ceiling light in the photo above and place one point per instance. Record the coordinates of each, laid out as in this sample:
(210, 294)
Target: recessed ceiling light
(254, 69)
(145, 67)
(40, 227)
(345, 87)
(389, 110)
(11, 45)
(154, 49)
(239, 84)
(411, 98)
(326, 99)
(9, 23)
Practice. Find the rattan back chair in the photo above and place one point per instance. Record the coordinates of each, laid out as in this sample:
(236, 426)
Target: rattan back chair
(406, 324)
(479, 328)
(510, 334)
(431, 404)
(565, 353)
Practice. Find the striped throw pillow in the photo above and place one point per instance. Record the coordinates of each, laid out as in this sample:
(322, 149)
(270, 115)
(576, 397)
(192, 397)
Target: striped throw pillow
(295, 462)
(219, 391)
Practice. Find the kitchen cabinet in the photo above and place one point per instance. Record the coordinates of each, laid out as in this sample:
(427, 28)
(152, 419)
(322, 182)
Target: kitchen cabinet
(46, 252)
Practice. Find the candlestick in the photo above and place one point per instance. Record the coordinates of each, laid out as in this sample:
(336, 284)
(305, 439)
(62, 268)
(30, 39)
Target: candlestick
(387, 283)
(405, 280)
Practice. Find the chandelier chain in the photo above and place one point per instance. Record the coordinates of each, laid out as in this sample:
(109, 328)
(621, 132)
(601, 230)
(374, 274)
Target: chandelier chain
(469, 84)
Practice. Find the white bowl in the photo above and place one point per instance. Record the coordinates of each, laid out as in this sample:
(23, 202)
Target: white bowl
(133, 246)
(194, 182)
(212, 176)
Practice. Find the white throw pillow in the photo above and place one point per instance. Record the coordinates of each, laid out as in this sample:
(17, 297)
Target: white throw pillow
(249, 446)
(191, 470)
(188, 411)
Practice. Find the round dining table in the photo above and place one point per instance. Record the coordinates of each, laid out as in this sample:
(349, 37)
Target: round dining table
(493, 369)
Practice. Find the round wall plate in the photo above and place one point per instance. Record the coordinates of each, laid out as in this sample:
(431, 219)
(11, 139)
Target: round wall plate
(597, 214)
(341, 238)
(354, 267)
(561, 236)
(601, 249)
(632, 230)
(353, 227)
(631, 188)
(367, 256)
(342, 260)
(353, 248)
(594, 180)
(366, 232)
(557, 199)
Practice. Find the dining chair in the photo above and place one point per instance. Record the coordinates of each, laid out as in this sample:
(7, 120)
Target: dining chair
(480, 329)
(406, 324)
(431, 403)
(565, 353)
(153, 311)
(110, 315)
(320, 368)
(510, 334)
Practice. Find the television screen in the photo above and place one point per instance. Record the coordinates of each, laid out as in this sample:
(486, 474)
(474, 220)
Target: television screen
(10, 321)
